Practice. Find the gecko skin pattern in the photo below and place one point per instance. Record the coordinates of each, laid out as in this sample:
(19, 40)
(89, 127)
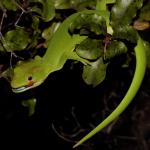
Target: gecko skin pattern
(32, 73)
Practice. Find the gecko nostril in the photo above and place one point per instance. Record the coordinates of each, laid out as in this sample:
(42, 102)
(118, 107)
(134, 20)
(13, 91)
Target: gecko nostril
(30, 81)
(30, 78)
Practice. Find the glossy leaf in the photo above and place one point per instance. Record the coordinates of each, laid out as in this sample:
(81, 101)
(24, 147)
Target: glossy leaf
(47, 11)
(90, 49)
(145, 13)
(88, 23)
(75, 4)
(35, 23)
(7, 74)
(9, 5)
(102, 4)
(95, 73)
(30, 104)
(126, 33)
(124, 11)
(115, 48)
(62, 4)
(16, 39)
(83, 4)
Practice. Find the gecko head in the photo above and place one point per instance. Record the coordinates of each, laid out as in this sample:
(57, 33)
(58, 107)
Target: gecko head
(27, 75)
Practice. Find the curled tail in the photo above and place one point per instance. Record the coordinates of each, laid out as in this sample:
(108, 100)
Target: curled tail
(133, 89)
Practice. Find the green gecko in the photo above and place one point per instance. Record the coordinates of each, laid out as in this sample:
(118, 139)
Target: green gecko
(32, 73)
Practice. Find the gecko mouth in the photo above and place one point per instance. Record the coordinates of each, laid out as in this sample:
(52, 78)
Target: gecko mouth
(21, 89)
(25, 88)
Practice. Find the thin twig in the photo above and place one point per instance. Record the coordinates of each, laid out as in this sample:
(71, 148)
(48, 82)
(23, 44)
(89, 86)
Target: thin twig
(62, 137)
(110, 127)
(126, 137)
(16, 56)
(23, 10)
(19, 18)
(75, 118)
(2, 20)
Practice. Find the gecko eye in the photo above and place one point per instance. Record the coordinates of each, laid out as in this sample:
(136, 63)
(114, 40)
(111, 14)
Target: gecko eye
(30, 78)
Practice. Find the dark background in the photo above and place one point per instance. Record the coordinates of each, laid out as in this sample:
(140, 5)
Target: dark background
(68, 107)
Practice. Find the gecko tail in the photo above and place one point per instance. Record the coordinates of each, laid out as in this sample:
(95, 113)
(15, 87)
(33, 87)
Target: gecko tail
(133, 89)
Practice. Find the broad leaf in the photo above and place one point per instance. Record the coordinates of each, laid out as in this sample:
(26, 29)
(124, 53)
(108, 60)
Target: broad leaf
(75, 4)
(145, 13)
(90, 49)
(35, 23)
(115, 48)
(9, 5)
(124, 11)
(16, 39)
(47, 11)
(88, 23)
(95, 73)
(126, 33)
(61, 4)
(102, 4)
(30, 104)
(7, 74)
(83, 4)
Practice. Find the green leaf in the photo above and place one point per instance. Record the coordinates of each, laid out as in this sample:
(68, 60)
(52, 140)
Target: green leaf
(115, 48)
(95, 73)
(145, 13)
(62, 4)
(9, 5)
(90, 49)
(126, 33)
(30, 104)
(16, 39)
(101, 4)
(83, 4)
(35, 23)
(75, 4)
(7, 74)
(47, 11)
(88, 23)
(124, 11)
